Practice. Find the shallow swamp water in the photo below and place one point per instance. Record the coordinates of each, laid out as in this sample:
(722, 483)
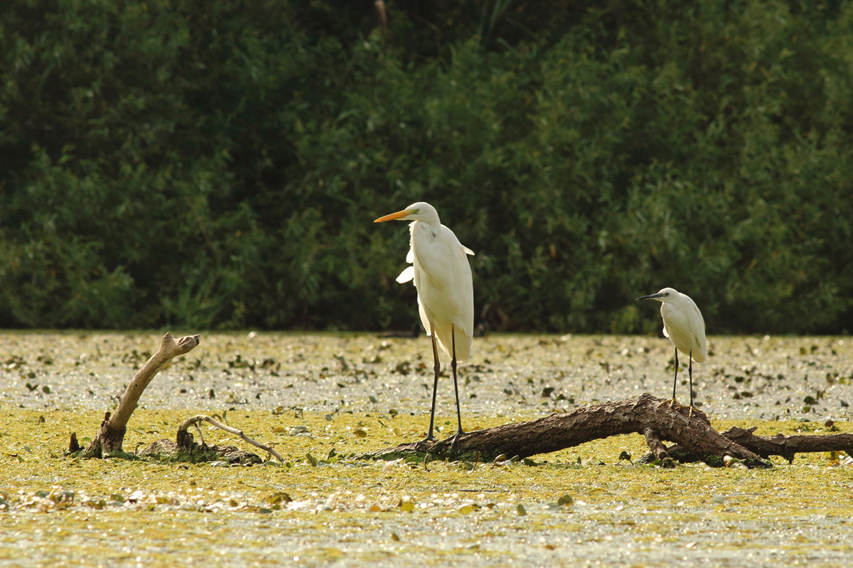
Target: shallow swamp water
(323, 400)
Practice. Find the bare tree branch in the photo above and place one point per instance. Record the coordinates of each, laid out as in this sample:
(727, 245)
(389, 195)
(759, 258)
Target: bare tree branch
(787, 446)
(182, 433)
(380, 11)
(110, 436)
(169, 348)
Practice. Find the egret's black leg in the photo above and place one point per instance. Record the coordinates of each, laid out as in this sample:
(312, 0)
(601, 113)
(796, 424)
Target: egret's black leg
(437, 369)
(690, 372)
(674, 383)
(455, 387)
(675, 380)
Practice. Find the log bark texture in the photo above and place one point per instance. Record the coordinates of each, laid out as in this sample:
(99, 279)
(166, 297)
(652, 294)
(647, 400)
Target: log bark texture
(110, 435)
(788, 446)
(654, 418)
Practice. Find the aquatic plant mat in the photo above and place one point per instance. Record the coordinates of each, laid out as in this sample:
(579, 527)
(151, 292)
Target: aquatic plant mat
(329, 505)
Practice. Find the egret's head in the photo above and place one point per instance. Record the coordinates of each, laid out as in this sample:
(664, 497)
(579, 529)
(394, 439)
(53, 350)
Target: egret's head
(415, 212)
(661, 296)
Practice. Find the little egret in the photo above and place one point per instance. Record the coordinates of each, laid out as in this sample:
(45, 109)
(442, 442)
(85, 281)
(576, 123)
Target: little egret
(685, 328)
(442, 277)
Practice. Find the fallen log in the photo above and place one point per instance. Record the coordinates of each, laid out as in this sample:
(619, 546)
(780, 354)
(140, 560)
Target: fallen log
(651, 417)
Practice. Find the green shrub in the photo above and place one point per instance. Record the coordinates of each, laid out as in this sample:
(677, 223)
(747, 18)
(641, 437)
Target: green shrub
(218, 164)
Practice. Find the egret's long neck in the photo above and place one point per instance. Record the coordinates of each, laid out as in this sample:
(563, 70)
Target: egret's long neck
(423, 231)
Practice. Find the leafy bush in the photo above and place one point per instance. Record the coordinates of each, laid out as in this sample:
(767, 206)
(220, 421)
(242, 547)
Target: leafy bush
(219, 163)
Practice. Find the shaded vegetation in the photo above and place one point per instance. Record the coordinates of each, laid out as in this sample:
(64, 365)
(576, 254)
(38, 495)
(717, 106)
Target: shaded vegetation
(218, 163)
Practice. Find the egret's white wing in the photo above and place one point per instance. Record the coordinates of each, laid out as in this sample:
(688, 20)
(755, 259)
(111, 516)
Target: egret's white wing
(701, 348)
(684, 326)
(467, 250)
(410, 258)
(445, 289)
(407, 275)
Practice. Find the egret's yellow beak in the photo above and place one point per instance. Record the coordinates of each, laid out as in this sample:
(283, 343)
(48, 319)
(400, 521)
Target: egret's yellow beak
(395, 216)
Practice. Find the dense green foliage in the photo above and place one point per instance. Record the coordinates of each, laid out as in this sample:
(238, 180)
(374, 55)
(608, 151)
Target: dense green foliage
(218, 163)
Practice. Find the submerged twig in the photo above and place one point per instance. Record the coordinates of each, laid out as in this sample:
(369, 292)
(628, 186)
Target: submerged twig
(203, 418)
(200, 433)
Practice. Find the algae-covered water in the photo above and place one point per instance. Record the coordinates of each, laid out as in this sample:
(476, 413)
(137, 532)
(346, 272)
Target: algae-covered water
(323, 400)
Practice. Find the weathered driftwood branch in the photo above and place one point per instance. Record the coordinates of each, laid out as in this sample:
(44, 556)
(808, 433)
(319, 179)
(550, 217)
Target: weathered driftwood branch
(184, 439)
(185, 449)
(108, 440)
(694, 438)
(110, 436)
(787, 446)
(646, 415)
(766, 446)
(655, 444)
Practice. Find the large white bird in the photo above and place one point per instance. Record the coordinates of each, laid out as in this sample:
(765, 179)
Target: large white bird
(442, 277)
(684, 326)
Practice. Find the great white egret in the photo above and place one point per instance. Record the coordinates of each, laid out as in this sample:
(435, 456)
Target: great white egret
(684, 326)
(442, 277)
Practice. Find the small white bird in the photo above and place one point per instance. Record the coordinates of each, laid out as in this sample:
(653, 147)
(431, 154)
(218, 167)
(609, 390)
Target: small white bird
(445, 287)
(684, 326)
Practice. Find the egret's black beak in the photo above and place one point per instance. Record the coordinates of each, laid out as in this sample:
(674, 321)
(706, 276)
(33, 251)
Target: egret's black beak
(651, 296)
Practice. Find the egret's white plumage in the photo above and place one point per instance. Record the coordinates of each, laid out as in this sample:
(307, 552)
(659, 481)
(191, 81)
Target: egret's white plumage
(684, 326)
(445, 287)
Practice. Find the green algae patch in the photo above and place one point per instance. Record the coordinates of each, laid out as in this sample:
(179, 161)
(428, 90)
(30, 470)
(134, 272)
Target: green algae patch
(325, 501)
(327, 505)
